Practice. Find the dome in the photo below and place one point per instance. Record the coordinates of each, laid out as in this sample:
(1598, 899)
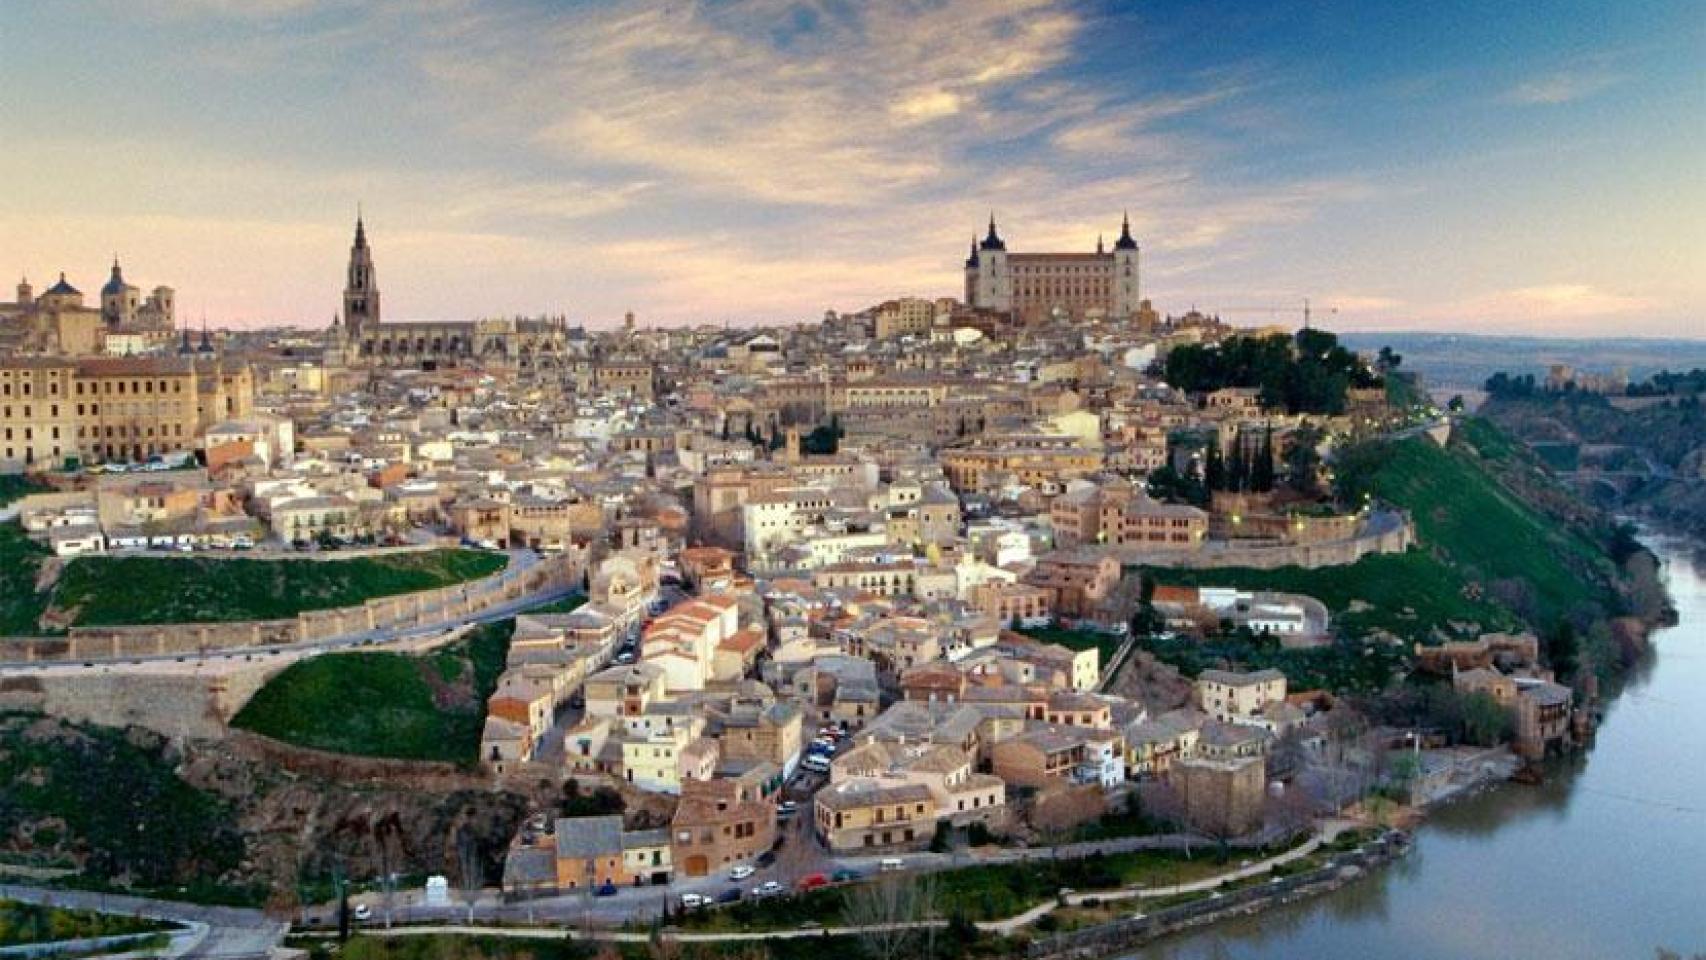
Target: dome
(116, 285)
(63, 289)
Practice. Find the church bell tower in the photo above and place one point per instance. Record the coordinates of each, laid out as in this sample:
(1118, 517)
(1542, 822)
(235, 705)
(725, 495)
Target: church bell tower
(361, 294)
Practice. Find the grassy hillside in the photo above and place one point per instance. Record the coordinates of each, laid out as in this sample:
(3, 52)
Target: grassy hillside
(1412, 595)
(386, 704)
(20, 562)
(13, 486)
(1542, 567)
(109, 591)
(108, 801)
(1501, 547)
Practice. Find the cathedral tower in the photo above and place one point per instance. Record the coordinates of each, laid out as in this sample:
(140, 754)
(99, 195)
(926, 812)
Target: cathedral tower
(361, 294)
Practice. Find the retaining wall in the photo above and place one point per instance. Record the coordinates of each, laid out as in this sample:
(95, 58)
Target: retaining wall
(1271, 557)
(402, 611)
(185, 704)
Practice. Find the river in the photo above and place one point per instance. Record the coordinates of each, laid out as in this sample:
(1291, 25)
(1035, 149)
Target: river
(1606, 860)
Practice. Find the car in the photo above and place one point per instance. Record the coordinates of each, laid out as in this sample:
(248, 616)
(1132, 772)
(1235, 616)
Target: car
(608, 890)
(891, 864)
(769, 888)
(766, 858)
(815, 749)
(812, 881)
(815, 763)
(741, 872)
(692, 901)
(787, 808)
(362, 912)
(845, 875)
(731, 895)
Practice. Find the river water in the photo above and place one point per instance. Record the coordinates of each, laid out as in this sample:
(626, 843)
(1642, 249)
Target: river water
(1606, 860)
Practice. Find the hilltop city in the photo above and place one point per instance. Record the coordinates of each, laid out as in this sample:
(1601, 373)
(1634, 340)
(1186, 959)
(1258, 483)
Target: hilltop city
(712, 615)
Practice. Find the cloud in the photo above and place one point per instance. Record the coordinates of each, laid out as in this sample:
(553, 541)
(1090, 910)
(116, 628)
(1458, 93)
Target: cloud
(756, 159)
(1562, 301)
(1563, 86)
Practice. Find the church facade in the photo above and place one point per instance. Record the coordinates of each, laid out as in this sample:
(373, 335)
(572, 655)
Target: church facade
(363, 339)
(1037, 286)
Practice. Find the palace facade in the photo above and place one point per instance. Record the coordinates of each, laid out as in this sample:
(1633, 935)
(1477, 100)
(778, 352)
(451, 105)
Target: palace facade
(1037, 286)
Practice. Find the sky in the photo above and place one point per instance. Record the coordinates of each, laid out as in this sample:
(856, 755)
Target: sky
(1488, 167)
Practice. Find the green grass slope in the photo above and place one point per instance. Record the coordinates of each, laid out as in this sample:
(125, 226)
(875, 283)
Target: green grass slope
(386, 704)
(1540, 566)
(113, 591)
(1412, 595)
(108, 801)
(20, 563)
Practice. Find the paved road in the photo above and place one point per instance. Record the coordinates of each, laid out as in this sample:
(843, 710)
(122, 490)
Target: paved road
(210, 932)
(416, 923)
(643, 903)
(520, 562)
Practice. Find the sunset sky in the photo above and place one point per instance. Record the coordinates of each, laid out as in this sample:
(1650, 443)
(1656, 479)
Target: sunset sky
(1491, 167)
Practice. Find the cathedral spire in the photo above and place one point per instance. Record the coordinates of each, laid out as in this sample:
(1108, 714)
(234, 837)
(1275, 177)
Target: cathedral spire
(1099, 245)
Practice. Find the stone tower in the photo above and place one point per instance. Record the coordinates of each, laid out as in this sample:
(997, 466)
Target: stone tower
(986, 273)
(1128, 294)
(361, 293)
(119, 300)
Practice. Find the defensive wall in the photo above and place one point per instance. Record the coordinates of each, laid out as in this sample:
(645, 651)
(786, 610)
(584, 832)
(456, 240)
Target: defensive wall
(1388, 532)
(399, 612)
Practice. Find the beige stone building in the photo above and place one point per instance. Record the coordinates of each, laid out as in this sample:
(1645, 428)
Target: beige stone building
(113, 408)
(1232, 697)
(868, 815)
(1037, 286)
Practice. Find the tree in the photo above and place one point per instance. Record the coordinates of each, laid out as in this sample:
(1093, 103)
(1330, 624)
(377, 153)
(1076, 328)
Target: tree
(1486, 722)
(1563, 649)
(387, 834)
(1262, 470)
(1388, 360)
(884, 912)
(471, 867)
(1303, 460)
(1214, 468)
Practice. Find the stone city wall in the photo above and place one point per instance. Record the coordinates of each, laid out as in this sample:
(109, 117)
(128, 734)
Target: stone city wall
(183, 704)
(1396, 539)
(403, 611)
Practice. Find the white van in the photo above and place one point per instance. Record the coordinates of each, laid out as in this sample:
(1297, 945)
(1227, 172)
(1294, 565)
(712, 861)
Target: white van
(891, 864)
(815, 764)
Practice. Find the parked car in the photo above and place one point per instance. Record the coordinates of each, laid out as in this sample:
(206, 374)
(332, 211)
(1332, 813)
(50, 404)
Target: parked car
(362, 912)
(741, 872)
(787, 808)
(608, 890)
(766, 858)
(731, 895)
(812, 881)
(692, 901)
(769, 888)
(845, 875)
(891, 864)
